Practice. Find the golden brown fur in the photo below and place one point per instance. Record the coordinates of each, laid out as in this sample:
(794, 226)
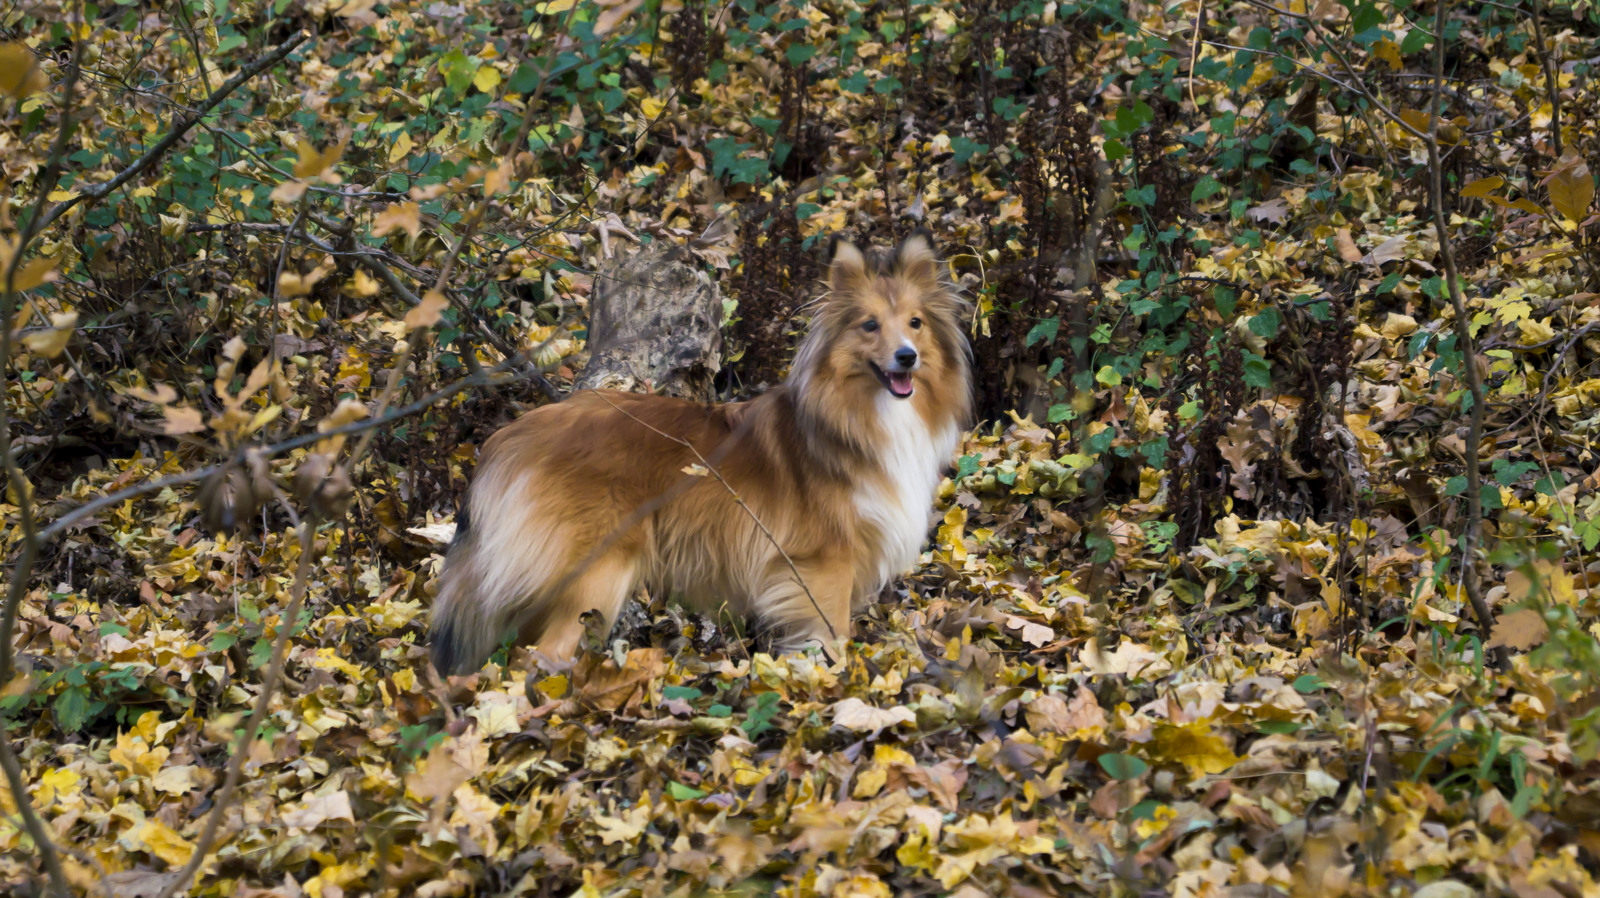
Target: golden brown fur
(576, 504)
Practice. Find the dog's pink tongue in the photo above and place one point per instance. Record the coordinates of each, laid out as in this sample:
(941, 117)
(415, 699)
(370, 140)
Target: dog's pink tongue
(900, 383)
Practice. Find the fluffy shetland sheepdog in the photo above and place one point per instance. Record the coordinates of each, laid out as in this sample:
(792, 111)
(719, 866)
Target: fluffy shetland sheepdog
(576, 504)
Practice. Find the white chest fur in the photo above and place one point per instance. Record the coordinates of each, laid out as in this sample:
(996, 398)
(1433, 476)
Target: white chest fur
(895, 508)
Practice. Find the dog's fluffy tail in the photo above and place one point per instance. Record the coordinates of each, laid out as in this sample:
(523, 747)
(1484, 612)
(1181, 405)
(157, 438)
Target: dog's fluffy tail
(495, 573)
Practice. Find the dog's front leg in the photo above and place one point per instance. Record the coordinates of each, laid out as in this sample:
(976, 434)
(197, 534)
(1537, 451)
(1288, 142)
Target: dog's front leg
(812, 609)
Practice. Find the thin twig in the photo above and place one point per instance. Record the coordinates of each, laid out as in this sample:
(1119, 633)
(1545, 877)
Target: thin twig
(398, 369)
(269, 685)
(1551, 85)
(738, 499)
(1464, 341)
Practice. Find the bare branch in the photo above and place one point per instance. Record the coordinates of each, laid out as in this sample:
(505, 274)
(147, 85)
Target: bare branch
(1551, 85)
(1464, 342)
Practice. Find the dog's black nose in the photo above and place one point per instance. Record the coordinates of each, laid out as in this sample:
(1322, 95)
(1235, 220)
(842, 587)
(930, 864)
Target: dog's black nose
(905, 357)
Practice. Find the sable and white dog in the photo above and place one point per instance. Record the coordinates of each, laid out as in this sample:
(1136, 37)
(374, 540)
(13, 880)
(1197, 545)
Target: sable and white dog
(576, 504)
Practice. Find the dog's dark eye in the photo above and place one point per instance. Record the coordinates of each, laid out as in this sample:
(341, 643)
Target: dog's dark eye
(916, 324)
(870, 326)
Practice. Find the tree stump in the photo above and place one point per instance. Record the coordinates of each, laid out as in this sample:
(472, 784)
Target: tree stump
(654, 325)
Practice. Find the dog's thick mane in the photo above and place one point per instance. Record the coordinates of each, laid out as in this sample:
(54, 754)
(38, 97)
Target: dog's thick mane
(851, 431)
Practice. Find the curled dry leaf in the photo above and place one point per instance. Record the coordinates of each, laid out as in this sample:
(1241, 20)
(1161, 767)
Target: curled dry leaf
(858, 716)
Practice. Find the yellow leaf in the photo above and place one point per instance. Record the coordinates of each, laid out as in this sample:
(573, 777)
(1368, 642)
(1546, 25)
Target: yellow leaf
(1346, 245)
(952, 532)
(314, 163)
(439, 774)
(1482, 187)
(183, 420)
(624, 828)
(1398, 325)
(19, 71)
(178, 779)
(161, 841)
(1520, 630)
(487, 79)
(1417, 119)
(498, 179)
(1521, 203)
(1388, 51)
(57, 782)
(360, 12)
(1571, 187)
(855, 714)
(555, 6)
(870, 781)
(1535, 331)
(402, 146)
(426, 313)
(610, 18)
(406, 216)
(293, 283)
(1194, 745)
(175, 226)
(496, 714)
(32, 273)
(51, 343)
(263, 418)
(651, 107)
(318, 809)
(60, 196)
(361, 286)
(289, 191)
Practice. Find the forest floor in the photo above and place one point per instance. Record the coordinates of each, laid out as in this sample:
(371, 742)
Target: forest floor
(1192, 617)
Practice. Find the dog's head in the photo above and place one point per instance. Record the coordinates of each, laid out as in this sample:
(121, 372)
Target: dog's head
(894, 326)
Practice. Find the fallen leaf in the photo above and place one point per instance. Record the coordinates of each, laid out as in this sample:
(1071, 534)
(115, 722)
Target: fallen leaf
(855, 714)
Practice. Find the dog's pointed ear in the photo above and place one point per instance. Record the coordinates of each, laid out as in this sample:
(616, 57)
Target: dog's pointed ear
(847, 268)
(915, 260)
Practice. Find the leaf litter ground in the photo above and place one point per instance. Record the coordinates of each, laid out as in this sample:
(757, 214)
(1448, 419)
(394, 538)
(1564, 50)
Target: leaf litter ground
(1069, 696)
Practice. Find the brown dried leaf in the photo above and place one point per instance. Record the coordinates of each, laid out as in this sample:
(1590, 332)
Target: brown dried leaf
(427, 312)
(1520, 630)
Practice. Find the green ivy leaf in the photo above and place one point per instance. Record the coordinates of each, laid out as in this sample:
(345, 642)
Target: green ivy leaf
(1122, 767)
(967, 465)
(1043, 331)
(458, 71)
(73, 707)
(680, 792)
(1257, 371)
(1305, 684)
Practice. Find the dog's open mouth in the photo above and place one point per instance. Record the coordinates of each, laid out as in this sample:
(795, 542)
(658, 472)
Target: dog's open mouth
(896, 382)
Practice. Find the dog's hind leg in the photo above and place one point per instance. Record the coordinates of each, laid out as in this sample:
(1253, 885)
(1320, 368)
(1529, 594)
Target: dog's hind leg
(811, 610)
(602, 587)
